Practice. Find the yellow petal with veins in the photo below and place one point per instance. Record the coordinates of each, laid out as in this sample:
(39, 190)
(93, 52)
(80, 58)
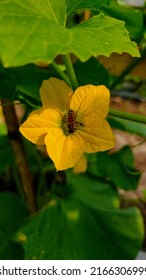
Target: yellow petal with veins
(90, 99)
(64, 151)
(56, 94)
(100, 138)
(38, 123)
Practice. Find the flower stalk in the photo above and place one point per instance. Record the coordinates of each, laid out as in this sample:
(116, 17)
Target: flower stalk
(60, 73)
(70, 71)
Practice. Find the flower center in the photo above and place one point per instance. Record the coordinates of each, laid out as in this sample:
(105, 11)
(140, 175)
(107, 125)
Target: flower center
(69, 123)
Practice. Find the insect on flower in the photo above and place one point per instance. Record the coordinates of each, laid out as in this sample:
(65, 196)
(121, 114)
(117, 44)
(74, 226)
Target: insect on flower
(71, 121)
(72, 124)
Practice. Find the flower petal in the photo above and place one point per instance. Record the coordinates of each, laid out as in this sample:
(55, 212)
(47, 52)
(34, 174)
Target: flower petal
(90, 99)
(81, 165)
(37, 124)
(56, 94)
(64, 151)
(100, 138)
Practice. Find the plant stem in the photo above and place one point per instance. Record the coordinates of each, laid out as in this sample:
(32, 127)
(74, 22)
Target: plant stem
(70, 71)
(127, 116)
(130, 67)
(17, 144)
(60, 73)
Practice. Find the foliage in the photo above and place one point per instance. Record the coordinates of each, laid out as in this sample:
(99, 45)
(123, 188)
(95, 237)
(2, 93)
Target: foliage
(84, 215)
(43, 26)
(78, 216)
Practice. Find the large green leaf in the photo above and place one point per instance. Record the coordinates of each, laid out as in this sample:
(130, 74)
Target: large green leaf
(52, 9)
(133, 18)
(93, 189)
(119, 168)
(80, 226)
(31, 31)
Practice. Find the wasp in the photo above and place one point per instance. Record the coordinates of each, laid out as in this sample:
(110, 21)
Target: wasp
(71, 121)
(72, 124)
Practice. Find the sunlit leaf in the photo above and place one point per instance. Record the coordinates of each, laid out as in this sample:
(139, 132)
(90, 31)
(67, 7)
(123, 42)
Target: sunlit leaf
(30, 32)
(133, 18)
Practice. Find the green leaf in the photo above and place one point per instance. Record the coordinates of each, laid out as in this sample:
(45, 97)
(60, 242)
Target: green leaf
(133, 18)
(93, 189)
(29, 78)
(21, 80)
(80, 226)
(7, 85)
(12, 212)
(119, 168)
(31, 31)
(6, 153)
(129, 126)
(73, 5)
(91, 72)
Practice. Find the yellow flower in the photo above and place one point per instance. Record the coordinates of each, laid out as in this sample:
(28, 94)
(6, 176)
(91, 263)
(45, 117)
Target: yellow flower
(70, 124)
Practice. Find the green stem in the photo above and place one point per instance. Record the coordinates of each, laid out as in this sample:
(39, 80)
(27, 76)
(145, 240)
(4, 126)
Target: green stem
(70, 71)
(60, 73)
(127, 116)
(130, 67)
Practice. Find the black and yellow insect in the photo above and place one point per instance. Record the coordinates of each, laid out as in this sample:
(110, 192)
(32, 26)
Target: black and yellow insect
(71, 121)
